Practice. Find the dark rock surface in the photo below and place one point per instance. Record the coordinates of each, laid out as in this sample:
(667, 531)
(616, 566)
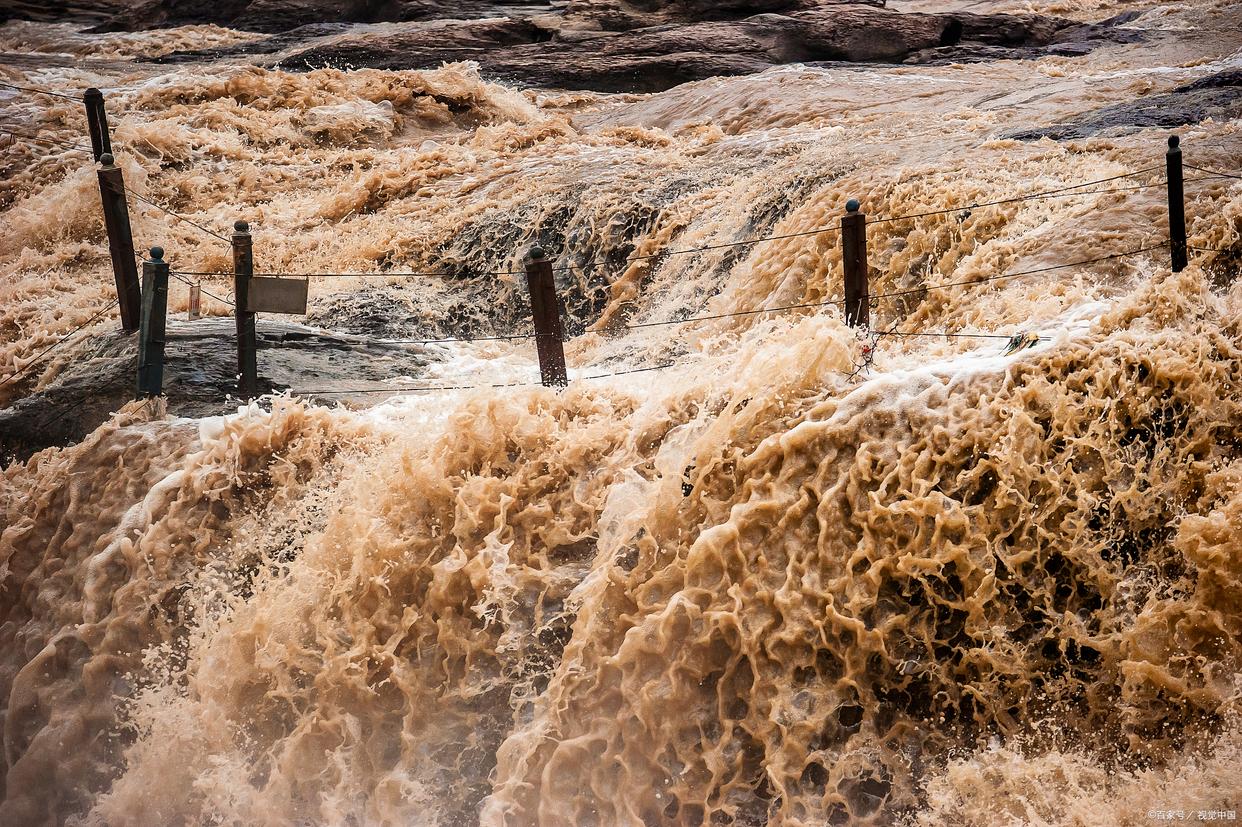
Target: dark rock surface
(283, 15)
(199, 377)
(612, 45)
(1217, 96)
(658, 57)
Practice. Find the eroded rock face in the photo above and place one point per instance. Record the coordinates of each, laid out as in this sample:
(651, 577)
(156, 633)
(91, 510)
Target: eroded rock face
(283, 15)
(654, 58)
(615, 45)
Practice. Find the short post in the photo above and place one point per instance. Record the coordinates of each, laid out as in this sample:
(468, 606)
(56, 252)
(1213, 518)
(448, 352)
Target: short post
(854, 263)
(1177, 204)
(97, 123)
(195, 310)
(120, 241)
(247, 343)
(546, 308)
(151, 332)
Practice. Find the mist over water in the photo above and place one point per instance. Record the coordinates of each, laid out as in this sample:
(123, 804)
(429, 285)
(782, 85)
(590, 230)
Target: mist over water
(782, 581)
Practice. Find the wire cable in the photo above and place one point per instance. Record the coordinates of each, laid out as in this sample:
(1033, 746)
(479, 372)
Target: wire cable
(1002, 276)
(39, 356)
(40, 91)
(804, 305)
(41, 139)
(177, 275)
(948, 335)
(1063, 192)
(509, 338)
(352, 275)
(180, 276)
(1213, 172)
(361, 391)
(164, 209)
(819, 230)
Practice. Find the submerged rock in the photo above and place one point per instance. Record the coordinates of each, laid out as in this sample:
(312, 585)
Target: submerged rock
(1217, 96)
(199, 376)
(568, 52)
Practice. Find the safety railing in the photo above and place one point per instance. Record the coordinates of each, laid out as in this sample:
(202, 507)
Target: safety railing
(141, 302)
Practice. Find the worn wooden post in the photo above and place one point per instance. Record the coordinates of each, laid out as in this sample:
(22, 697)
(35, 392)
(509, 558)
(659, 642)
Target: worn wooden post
(854, 263)
(151, 332)
(1177, 204)
(120, 241)
(546, 308)
(97, 123)
(247, 342)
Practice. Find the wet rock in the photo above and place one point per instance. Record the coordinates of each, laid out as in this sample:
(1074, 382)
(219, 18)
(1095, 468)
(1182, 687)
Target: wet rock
(1218, 97)
(90, 12)
(276, 43)
(624, 15)
(283, 15)
(420, 46)
(1026, 37)
(659, 57)
(199, 377)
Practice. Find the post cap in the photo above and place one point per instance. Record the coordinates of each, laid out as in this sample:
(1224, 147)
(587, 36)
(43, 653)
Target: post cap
(92, 92)
(241, 226)
(106, 159)
(157, 253)
(536, 254)
(852, 205)
(1174, 141)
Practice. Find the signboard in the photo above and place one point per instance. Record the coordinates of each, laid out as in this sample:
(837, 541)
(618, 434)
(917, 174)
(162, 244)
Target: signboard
(268, 295)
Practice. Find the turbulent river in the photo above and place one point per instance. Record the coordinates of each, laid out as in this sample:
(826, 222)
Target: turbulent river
(754, 569)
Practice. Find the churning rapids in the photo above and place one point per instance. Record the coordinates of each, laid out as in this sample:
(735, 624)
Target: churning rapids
(782, 579)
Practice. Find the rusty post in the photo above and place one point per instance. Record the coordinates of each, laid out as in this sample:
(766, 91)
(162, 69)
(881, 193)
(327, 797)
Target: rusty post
(854, 263)
(546, 308)
(120, 241)
(97, 123)
(247, 345)
(151, 331)
(1177, 204)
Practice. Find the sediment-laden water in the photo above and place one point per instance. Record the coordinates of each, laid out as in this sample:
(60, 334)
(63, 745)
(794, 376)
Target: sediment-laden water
(796, 576)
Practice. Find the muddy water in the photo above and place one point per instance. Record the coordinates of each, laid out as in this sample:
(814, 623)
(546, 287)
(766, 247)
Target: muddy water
(780, 581)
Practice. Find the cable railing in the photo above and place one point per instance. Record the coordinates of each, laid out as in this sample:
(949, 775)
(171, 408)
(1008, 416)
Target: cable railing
(36, 91)
(41, 139)
(539, 270)
(481, 386)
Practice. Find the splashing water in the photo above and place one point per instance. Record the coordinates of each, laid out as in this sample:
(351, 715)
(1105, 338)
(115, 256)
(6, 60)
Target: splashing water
(770, 584)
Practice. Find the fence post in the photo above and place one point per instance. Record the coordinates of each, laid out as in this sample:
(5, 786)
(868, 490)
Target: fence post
(247, 344)
(546, 308)
(1177, 204)
(120, 241)
(151, 333)
(854, 263)
(97, 123)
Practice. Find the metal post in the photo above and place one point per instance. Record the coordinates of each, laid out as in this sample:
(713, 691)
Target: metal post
(854, 263)
(151, 333)
(247, 344)
(120, 241)
(97, 123)
(546, 308)
(1177, 204)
